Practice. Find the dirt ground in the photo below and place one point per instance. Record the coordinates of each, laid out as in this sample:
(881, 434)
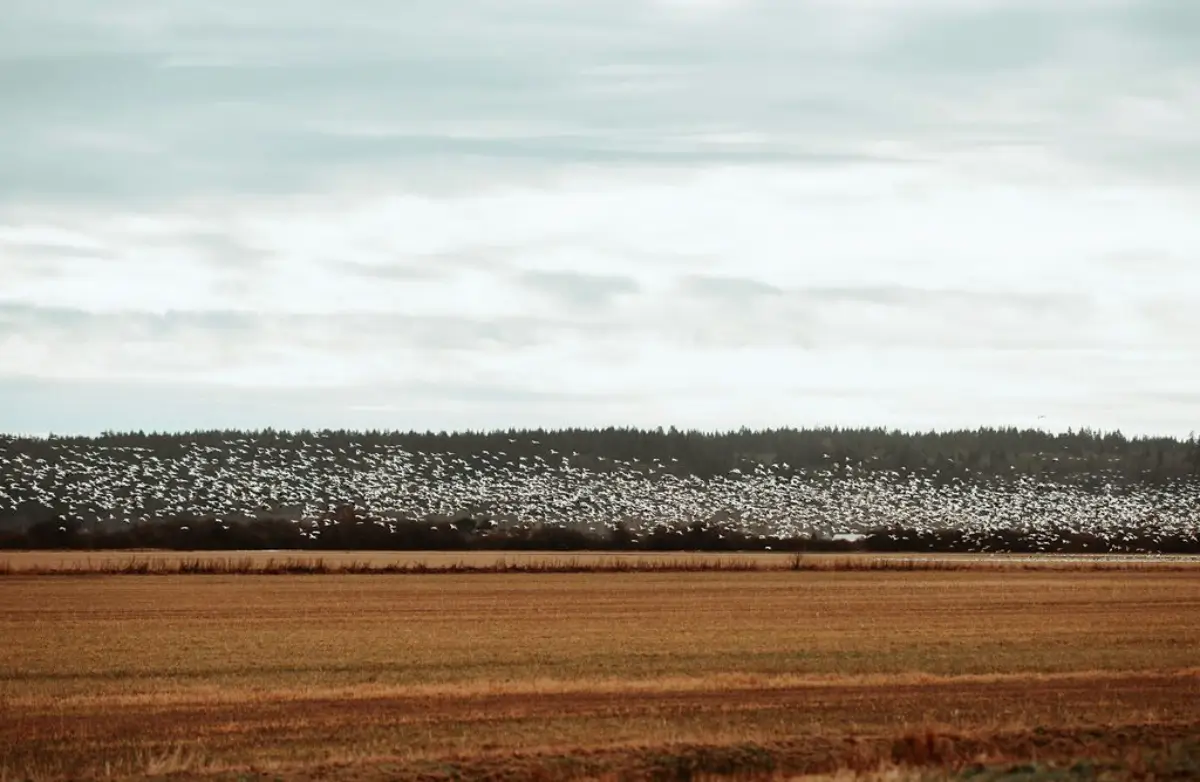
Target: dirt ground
(665, 676)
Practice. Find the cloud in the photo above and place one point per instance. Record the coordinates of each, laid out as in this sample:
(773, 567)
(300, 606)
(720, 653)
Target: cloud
(219, 249)
(145, 103)
(734, 288)
(580, 289)
(604, 211)
(962, 301)
(391, 272)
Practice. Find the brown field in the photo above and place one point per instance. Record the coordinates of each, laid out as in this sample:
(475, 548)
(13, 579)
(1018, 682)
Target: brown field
(666, 675)
(491, 562)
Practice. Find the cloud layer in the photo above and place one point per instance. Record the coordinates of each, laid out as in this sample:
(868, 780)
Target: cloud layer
(711, 213)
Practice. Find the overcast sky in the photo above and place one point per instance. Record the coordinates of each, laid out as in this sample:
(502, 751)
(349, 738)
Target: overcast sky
(713, 213)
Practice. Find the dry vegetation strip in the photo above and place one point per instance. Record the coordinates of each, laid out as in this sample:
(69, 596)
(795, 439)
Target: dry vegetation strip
(369, 675)
(87, 563)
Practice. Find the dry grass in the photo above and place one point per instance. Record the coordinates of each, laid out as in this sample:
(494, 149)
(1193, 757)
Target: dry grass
(380, 677)
(485, 562)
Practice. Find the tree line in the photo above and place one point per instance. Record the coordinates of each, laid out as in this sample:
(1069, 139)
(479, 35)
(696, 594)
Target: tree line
(1076, 456)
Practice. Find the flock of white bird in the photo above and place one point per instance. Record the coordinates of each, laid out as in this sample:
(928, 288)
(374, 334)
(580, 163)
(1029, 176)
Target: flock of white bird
(114, 485)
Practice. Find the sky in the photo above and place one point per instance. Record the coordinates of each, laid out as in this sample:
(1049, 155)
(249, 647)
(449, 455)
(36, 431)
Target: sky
(449, 214)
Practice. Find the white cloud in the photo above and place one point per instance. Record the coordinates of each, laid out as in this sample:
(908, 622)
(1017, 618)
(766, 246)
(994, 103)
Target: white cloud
(702, 212)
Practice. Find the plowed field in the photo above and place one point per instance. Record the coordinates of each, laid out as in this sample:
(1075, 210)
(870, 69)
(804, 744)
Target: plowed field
(602, 675)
